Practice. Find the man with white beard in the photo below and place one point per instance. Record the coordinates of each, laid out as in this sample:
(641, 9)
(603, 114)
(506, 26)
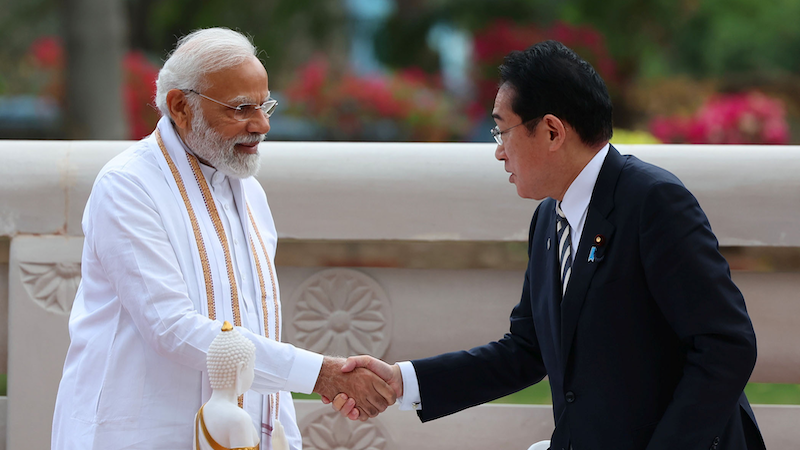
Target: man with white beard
(179, 238)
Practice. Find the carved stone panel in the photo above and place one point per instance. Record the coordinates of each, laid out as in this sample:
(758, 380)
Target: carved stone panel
(52, 286)
(342, 312)
(44, 272)
(325, 429)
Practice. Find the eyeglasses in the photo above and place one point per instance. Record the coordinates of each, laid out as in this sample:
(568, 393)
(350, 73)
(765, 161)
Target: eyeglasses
(244, 111)
(498, 135)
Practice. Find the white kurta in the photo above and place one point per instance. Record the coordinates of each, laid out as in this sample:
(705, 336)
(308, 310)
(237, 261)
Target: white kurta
(134, 375)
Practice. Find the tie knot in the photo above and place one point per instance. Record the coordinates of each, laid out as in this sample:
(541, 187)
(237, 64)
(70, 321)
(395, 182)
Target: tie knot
(559, 213)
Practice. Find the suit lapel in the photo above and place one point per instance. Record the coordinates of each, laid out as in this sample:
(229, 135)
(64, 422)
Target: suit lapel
(600, 206)
(553, 275)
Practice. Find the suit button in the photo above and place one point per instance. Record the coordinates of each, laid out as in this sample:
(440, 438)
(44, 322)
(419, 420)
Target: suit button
(716, 440)
(570, 397)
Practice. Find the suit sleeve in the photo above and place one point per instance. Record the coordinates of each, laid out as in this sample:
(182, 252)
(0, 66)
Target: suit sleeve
(454, 381)
(691, 283)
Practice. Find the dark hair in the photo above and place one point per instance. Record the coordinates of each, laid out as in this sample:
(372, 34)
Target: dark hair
(549, 78)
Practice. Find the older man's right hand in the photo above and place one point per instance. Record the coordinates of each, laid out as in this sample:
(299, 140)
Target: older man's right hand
(370, 394)
(349, 407)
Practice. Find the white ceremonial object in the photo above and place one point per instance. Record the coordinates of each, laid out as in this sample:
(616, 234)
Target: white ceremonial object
(279, 441)
(541, 445)
(221, 423)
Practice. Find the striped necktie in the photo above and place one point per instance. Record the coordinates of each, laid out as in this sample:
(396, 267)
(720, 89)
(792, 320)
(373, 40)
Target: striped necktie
(564, 247)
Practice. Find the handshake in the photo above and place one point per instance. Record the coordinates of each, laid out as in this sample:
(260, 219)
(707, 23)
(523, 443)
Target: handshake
(359, 387)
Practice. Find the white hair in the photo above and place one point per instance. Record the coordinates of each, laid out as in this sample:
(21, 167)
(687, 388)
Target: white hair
(198, 54)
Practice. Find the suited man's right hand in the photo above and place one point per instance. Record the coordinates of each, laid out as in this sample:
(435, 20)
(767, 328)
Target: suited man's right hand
(390, 373)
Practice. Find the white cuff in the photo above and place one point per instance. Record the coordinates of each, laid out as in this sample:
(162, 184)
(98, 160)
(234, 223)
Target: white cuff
(305, 371)
(410, 401)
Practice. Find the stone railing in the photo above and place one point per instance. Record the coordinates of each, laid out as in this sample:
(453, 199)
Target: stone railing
(433, 233)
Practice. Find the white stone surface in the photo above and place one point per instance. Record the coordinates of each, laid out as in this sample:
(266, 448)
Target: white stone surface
(460, 192)
(44, 185)
(411, 191)
(778, 424)
(491, 426)
(38, 338)
(519, 426)
(773, 302)
(434, 311)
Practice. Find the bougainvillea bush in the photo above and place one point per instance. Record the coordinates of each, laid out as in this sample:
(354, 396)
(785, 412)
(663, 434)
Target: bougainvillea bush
(741, 118)
(405, 106)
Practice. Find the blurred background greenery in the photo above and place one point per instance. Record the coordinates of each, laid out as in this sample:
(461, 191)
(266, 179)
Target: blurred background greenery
(694, 71)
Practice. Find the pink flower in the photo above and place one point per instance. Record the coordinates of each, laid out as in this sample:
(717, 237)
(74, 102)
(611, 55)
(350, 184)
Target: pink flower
(741, 118)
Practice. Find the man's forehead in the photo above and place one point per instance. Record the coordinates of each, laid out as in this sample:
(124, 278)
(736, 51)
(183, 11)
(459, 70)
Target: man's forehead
(247, 82)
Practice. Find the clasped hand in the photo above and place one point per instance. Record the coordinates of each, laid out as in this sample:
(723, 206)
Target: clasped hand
(361, 386)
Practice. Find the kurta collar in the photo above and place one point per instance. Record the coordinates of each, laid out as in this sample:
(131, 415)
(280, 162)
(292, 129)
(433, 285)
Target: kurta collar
(215, 177)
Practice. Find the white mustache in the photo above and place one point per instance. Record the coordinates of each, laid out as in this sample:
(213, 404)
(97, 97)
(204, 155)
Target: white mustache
(254, 139)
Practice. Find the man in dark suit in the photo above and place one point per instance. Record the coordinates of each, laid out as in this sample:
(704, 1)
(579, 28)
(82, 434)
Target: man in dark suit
(627, 304)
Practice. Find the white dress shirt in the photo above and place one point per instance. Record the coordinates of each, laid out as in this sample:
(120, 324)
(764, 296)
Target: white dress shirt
(575, 204)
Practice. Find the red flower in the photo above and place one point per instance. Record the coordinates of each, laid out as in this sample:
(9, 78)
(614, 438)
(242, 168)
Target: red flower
(139, 90)
(48, 52)
(743, 118)
(347, 105)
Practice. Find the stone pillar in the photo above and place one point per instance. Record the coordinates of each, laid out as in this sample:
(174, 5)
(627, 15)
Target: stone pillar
(95, 38)
(44, 272)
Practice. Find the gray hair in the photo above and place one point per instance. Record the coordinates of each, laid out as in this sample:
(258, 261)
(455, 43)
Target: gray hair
(197, 54)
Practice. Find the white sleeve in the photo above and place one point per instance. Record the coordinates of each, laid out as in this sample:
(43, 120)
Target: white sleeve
(410, 401)
(129, 239)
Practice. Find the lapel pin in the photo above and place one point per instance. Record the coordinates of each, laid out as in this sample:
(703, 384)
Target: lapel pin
(599, 240)
(591, 254)
(548, 243)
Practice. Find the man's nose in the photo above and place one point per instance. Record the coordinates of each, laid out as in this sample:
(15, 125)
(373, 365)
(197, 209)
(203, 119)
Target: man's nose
(500, 152)
(259, 123)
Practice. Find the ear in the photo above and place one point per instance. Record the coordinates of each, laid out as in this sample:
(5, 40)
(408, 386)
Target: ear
(240, 366)
(556, 131)
(179, 109)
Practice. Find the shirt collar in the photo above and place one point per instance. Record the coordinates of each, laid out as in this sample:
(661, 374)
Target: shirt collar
(576, 199)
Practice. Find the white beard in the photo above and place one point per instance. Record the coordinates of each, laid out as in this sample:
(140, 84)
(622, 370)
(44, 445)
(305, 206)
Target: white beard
(219, 152)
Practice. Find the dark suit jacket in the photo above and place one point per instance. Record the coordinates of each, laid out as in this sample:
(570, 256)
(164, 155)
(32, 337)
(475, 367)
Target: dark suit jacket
(651, 346)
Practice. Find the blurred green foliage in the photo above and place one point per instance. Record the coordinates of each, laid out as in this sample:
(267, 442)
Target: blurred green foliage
(726, 37)
(652, 38)
(288, 33)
